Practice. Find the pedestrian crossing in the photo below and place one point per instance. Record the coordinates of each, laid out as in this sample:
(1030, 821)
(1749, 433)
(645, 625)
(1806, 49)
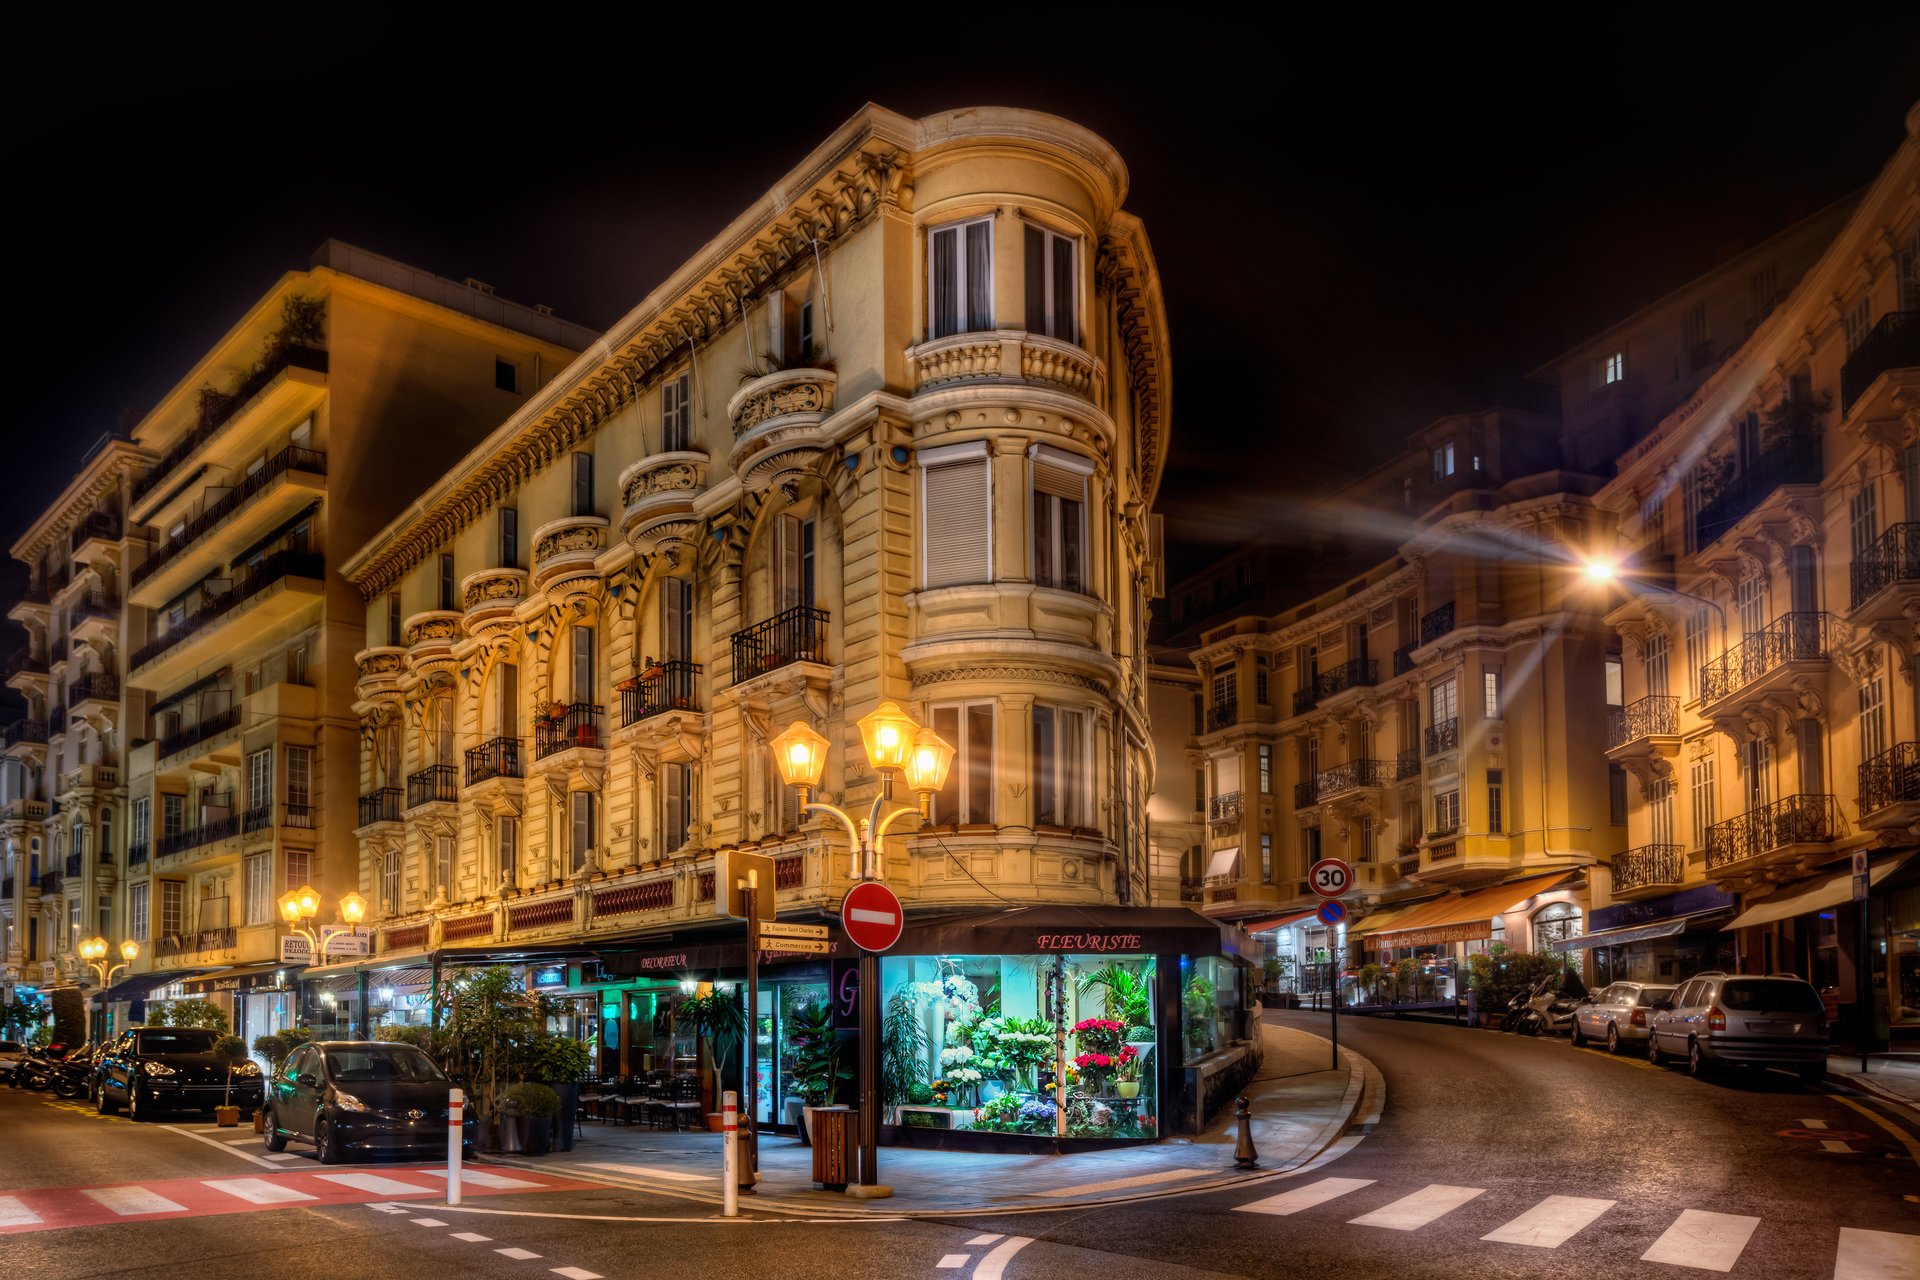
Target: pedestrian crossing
(1696, 1238)
(51, 1208)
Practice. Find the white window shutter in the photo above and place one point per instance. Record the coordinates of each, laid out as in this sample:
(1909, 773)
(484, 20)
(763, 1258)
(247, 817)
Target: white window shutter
(673, 620)
(786, 551)
(956, 525)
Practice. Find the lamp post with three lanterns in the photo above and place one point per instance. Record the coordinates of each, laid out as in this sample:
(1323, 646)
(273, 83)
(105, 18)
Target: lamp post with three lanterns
(299, 907)
(94, 952)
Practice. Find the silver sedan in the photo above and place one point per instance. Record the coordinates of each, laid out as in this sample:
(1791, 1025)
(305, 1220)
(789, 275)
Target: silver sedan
(1618, 1014)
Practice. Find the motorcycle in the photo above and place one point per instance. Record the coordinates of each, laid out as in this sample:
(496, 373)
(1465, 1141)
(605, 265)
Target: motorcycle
(1516, 1008)
(73, 1076)
(1547, 1009)
(37, 1069)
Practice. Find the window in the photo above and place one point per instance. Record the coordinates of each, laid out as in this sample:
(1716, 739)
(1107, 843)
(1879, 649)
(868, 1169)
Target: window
(1059, 520)
(1692, 498)
(676, 413)
(106, 835)
(259, 873)
(260, 781)
(1693, 336)
(506, 851)
(1490, 692)
(1808, 752)
(1857, 321)
(1266, 769)
(506, 375)
(795, 553)
(299, 786)
(806, 331)
(1862, 521)
(1653, 661)
(582, 483)
(1496, 811)
(1199, 713)
(1266, 858)
(1367, 835)
(173, 815)
(1061, 768)
(509, 538)
(1225, 691)
(1199, 790)
(1442, 461)
(1653, 524)
(393, 619)
(449, 590)
(1873, 717)
(1616, 682)
(956, 514)
(1555, 922)
(1697, 650)
(173, 907)
(1750, 598)
(582, 686)
(1762, 288)
(1660, 810)
(676, 620)
(297, 665)
(1446, 701)
(139, 911)
(443, 847)
(1050, 284)
(1617, 795)
(1756, 773)
(1260, 691)
(1613, 369)
(299, 868)
(676, 804)
(1446, 812)
(960, 278)
(142, 824)
(968, 795)
(1310, 844)
(1477, 447)
(390, 883)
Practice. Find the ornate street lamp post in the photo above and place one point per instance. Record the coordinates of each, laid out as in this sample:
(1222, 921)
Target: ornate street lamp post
(94, 951)
(300, 906)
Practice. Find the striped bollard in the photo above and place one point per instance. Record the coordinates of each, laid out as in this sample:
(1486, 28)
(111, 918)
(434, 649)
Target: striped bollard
(730, 1154)
(456, 1131)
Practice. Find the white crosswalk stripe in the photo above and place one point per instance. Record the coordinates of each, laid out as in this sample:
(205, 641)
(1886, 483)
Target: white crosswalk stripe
(14, 1213)
(1551, 1223)
(1409, 1213)
(1306, 1197)
(481, 1178)
(375, 1183)
(128, 1201)
(257, 1190)
(1709, 1241)
(1876, 1255)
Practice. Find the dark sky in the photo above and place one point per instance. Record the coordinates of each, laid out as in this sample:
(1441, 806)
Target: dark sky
(1355, 238)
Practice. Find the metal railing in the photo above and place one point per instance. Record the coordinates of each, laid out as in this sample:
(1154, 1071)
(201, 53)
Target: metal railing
(579, 724)
(1890, 778)
(1444, 736)
(1894, 343)
(6, 887)
(1792, 459)
(259, 818)
(35, 663)
(299, 816)
(1436, 623)
(1357, 674)
(95, 686)
(1801, 819)
(494, 758)
(216, 410)
(1222, 715)
(1303, 700)
(288, 459)
(797, 635)
(1791, 637)
(98, 524)
(1657, 713)
(186, 944)
(210, 726)
(380, 806)
(669, 686)
(281, 564)
(23, 731)
(1305, 794)
(1893, 557)
(1353, 775)
(1406, 764)
(435, 784)
(56, 721)
(1648, 865)
(1403, 659)
(1224, 807)
(137, 853)
(92, 604)
(73, 865)
(205, 833)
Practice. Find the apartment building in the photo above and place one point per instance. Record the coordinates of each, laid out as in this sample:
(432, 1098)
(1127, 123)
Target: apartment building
(191, 641)
(1768, 590)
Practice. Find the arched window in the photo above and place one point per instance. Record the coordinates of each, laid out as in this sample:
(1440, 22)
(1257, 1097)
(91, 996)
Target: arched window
(1555, 922)
(440, 730)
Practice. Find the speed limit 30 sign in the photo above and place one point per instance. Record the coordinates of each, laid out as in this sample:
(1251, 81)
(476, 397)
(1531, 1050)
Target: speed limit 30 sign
(1330, 878)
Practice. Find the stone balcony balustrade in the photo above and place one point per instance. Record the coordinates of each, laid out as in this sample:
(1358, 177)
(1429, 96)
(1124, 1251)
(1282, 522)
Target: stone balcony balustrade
(381, 670)
(564, 552)
(658, 495)
(431, 639)
(777, 422)
(489, 599)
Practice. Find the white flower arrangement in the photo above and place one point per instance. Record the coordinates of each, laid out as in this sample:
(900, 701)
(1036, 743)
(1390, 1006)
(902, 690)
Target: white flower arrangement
(965, 1075)
(959, 1053)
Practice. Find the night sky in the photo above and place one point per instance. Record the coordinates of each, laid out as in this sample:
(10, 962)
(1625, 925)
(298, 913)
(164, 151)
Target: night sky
(1354, 239)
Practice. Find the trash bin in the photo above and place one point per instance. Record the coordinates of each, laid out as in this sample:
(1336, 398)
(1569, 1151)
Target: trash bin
(831, 1130)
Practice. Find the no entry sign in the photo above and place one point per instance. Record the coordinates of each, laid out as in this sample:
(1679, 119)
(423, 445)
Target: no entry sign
(871, 916)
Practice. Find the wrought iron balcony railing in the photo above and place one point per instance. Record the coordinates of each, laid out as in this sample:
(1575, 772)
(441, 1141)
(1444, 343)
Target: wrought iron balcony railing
(259, 818)
(495, 758)
(187, 944)
(216, 512)
(577, 724)
(1406, 764)
(1894, 343)
(209, 727)
(73, 865)
(1893, 557)
(34, 663)
(1436, 623)
(6, 887)
(1224, 807)
(669, 686)
(98, 524)
(1222, 715)
(1890, 778)
(435, 784)
(1801, 819)
(1650, 864)
(56, 721)
(1403, 659)
(1353, 775)
(216, 410)
(95, 686)
(1656, 714)
(23, 731)
(797, 635)
(137, 853)
(281, 564)
(1792, 459)
(1358, 674)
(1305, 794)
(1791, 637)
(49, 882)
(380, 806)
(1444, 736)
(92, 604)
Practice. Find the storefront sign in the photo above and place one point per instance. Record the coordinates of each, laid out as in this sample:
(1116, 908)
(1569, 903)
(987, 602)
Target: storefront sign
(1687, 902)
(1472, 931)
(1090, 942)
(672, 960)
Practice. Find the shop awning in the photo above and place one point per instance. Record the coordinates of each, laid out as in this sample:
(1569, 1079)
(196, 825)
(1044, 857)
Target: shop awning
(1278, 922)
(1816, 895)
(1385, 918)
(1223, 862)
(1461, 917)
(1635, 933)
(140, 984)
(235, 978)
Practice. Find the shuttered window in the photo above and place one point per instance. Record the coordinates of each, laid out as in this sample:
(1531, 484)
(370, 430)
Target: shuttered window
(676, 620)
(676, 404)
(443, 865)
(585, 829)
(956, 526)
(509, 540)
(1059, 521)
(583, 663)
(675, 806)
(582, 484)
(794, 553)
(960, 278)
(449, 598)
(507, 851)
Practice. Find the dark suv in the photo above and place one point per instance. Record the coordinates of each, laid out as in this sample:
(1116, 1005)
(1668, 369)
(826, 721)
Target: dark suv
(152, 1069)
(1775, 1021)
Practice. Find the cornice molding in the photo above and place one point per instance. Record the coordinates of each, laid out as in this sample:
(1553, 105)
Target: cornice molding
(117, 463)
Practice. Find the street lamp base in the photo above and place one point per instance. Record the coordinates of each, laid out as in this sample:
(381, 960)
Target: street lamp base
(877, 1191)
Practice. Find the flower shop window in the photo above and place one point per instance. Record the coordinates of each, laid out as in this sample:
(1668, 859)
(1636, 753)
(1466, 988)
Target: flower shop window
(1004, 1044)
(1209, 997)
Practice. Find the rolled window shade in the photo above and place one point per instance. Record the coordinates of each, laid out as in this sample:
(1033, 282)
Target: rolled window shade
(1059, 481)
(957, 523)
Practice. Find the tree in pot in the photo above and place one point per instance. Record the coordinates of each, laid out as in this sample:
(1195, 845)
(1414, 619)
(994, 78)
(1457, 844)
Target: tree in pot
(489, 1014)
(559, 1062)
(229, 1052)
(721, 1026)
(533, 1107)
(815, 1064)
(903, 1051)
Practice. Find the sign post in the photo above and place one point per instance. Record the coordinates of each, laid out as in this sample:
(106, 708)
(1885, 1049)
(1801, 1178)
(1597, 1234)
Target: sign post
(1863, 956)
(456, 1133)
(743, 884)
(873, 920)
(1332, 879)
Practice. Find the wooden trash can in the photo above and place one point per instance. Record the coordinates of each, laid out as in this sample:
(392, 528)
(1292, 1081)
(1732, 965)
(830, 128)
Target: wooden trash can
(831, 1141)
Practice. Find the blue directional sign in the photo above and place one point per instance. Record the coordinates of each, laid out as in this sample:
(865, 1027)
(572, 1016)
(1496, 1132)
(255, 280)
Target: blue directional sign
(1333, 912)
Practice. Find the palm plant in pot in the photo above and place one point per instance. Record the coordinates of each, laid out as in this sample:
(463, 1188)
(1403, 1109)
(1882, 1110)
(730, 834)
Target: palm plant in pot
(815, 1065)
(229, 1052)
(721, 1026)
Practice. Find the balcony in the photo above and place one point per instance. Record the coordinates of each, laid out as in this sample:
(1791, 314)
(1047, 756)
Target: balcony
(568, 725)
(797, 635)
(381, 669)
(25, 670)
(1361, 673)
(1224, 715)
(49, 882)
(273, 592)
(1793, 643)
(98, 526)
(489, 599)
(73, 866)
(1792, 459)
(283, 375)
(435, 784)
(1890, 788)
(1406, 765)
(382, 805)
(206, 833)
(496, 758)
(564, 552)
(1798, 830)
(1884, 575)
(137, 853)
(1894, 343)
(431, 639)
(259, 818)
(6, 889)
(197, 943)
(209, 727)
(260, 503)
(94, 618)
(1225, 807)
(1306, 794)
(777, 425)
(1444, 736)
(670, 686)
(659, 492)
(95, 686)
(1643, 729)
(56, 721)
(1648, 870)
(1436, 623)
(1355, 775)
(1007, 355)
(1403, 659)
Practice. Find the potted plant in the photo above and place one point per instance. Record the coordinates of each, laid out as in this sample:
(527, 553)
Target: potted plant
(903, 1052)
(815, 1067)
(534, 1107)
(721, 1027)
(1128, 1083)
(275, 1049)
(1101, 1050)
(559, 1062)
(229, 1051)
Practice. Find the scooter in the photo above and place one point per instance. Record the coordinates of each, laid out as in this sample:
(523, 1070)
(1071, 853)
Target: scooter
(1516, 1009)
(73, 1075)
(1546, 1010)
(36, 1070)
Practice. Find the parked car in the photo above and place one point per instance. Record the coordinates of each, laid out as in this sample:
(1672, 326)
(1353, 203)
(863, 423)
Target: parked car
(361, 1096)
(1617, 1015)
(153, 1069)
(11, 1051)
(1714, 1018)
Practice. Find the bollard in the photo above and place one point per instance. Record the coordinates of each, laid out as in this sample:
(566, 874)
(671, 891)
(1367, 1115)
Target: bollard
(1244, 1156)
(730, 1154)
(456, 1131)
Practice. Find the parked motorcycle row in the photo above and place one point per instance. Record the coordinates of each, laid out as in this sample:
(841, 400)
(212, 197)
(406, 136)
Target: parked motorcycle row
(65, 1070)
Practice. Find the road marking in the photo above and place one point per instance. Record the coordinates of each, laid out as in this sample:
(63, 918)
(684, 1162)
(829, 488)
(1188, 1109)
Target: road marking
(1409, 1213)
(375, 1183)
(426, 1222)
(282, 1158)
(994, 1265)
(1306, 1197)
(1138, 1180)
(641, 1170)
(218, 1145)
(257, 1190)
(1709, 1241)
(952, 1261)
(1913, 1148)
(986, 1239)
(480, 1178)
(1813, 1124)
(14, 1213)
(472, 1237)
(1876, 1255)
(1551, 1223)
(1830, 1145)
(129, 1201)
(241, 1142)
(518, 1255)
(576, 1273)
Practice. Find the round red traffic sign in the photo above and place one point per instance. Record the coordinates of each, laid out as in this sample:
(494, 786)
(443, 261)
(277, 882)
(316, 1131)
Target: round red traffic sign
(1330, 878)
(872, 917)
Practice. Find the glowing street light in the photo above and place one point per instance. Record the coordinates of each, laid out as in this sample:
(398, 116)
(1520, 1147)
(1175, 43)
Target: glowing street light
(1603, 570)
(299, 906)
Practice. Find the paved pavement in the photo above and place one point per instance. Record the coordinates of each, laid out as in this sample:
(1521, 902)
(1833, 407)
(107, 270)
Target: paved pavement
(1300, 1102)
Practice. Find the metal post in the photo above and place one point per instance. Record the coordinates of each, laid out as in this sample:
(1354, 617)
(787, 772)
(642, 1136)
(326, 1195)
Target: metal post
(456, 1132)
(869, 1069)
(750, 1163)
(730, 1155)
(1333, 981)
(1863, 982)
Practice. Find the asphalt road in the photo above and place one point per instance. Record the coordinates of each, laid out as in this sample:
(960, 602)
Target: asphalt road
(1596, 1161)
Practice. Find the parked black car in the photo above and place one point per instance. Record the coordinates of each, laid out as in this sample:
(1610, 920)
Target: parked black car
(152, 1069)
(361, 1096)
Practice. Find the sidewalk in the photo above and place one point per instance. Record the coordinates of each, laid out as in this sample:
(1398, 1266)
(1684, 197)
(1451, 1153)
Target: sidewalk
(1893, 1077)
(1300, 1106)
